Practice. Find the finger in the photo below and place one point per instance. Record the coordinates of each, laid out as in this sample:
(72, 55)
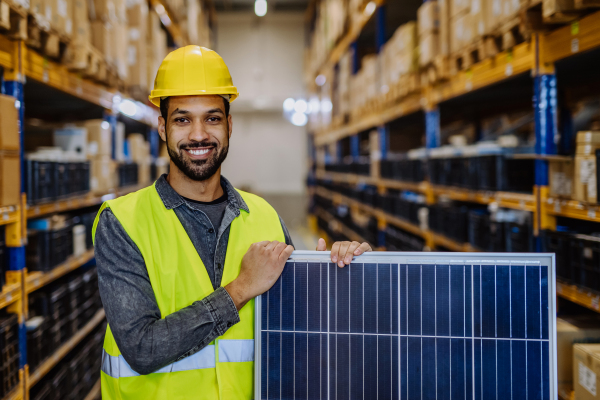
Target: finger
(279, 248)
(342, 253)
(334, 252)
(264, 243)
(321, 245)
(286, 253)
(364, 247)
(350, 252)
(271, 245)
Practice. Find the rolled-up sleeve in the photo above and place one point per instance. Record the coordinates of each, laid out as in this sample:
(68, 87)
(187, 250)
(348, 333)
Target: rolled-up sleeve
(147, 341)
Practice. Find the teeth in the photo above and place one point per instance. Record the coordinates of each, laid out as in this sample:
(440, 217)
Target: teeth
(198, 152)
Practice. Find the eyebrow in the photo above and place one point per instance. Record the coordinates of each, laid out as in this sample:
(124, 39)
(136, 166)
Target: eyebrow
(185, 112)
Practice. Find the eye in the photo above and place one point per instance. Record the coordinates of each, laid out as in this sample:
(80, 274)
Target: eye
(180, 120)
(213, 119)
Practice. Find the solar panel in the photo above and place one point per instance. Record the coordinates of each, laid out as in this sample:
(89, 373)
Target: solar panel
(409, 326)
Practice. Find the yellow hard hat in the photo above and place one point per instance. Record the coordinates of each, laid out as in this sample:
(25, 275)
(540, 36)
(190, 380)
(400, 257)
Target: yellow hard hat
(192, 70)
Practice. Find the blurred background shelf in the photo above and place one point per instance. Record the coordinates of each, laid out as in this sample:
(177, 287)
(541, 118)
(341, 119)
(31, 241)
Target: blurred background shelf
(37, 279)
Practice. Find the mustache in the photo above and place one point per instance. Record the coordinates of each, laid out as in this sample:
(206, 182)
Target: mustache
(195, 145)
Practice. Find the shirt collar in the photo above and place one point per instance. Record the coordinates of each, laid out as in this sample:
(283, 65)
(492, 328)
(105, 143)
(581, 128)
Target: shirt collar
(172, 199)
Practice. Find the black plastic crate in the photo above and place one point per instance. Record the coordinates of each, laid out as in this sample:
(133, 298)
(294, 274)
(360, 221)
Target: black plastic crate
(519, 237)
(128, 174)
(585, 255)
(61, 179)
(40, 181)
(479, 229)
(9, 347)
(3, 256)
(61, 245)
(560, 244)
(502, 173)
(37, 251)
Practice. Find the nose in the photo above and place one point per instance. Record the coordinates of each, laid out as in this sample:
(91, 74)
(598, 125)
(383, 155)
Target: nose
(198, 132)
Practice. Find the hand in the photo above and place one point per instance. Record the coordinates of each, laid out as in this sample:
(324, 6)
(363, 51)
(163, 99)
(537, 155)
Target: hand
(342, 252)
(261, 267)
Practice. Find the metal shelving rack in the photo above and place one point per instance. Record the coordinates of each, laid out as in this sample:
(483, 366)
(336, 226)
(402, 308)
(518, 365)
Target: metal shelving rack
(22, 64)
(536, 57)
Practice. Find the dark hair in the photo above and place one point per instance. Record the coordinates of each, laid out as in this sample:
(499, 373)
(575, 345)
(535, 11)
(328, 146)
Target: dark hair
(164, 107)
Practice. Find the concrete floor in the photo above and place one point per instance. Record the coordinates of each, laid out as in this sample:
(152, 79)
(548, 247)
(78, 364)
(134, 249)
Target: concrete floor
(293, 210)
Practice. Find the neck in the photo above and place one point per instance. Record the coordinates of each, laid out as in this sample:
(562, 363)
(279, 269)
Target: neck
(205, 191)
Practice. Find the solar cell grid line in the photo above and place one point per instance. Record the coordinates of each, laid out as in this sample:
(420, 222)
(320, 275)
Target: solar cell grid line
(488, 333)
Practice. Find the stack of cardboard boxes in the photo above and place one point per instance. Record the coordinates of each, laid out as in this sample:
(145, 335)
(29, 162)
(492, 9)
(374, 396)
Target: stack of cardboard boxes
(109, 28)
(10, 178)
(429, 27)
(586, 187)
(139, 152)
(157, 48)
(100, 155)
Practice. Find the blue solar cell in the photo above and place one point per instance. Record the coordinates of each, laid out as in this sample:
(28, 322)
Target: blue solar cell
(414, 368)
(457, 369)
(407, 331)
(428, 303)
(300, 297)
(414, 301)
(403, 368)
(287, 365)
(534, 370)
(443, 368)
(429, 371)
(384, 298)
(477, 301)
(504, 369)
(384, 367)
(457, 300)
(370, 371)
(356, 366)
(357, 298)
(343, 355)
(274, 366)
(517, 302)
(519, 369)
(468, 300)
(477, 355)
(544, 299)
(370, 298)
(502, 300)
(287, 297)
(442, 300)
(403, 299)
(488, 369)
(314, 365)
(532, 302)
(313, 300)
(342, 283)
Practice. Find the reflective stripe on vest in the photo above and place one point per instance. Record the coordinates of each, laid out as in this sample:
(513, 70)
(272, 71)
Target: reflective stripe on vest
(229, 351)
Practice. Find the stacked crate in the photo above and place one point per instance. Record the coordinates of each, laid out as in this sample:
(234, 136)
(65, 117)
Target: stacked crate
(156, 39)
(586, 177)
(137, 47)
(429, 39)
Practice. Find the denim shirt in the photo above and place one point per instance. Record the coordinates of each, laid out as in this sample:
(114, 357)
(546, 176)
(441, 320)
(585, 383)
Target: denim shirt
(147, 341)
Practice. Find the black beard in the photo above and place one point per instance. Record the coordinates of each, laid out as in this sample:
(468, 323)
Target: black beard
(199, 170)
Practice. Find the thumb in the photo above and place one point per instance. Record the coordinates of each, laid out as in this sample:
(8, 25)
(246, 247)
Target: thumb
(321, 246)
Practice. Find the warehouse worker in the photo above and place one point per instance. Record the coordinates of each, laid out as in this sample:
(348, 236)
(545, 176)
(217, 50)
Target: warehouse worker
(180, 262)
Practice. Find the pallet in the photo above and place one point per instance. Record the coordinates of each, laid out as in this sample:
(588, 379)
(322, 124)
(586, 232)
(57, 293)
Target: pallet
(436, 71)
(13, 19)
(43, 38)
(467, 56)
(565, 16)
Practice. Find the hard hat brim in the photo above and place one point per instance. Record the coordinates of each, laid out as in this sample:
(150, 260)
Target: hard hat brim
(156, 95)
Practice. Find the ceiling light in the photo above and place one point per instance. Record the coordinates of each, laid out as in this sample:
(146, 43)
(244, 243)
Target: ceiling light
(299, 119)
(288, 104)
(370, 8)
(260, 8)
(301, 106)
(320, 80)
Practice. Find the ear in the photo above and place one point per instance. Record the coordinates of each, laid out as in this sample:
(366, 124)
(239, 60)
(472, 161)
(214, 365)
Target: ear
(230, 123)
(162, 128)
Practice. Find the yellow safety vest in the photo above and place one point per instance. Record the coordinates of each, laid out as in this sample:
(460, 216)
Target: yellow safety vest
(225, 368)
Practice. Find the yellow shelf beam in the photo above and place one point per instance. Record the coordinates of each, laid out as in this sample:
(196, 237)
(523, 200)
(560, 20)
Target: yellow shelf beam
(7, 52)
(10, 293)
(9, 215)
(63, 350)
(410, 104)
(355, 179)
(77, 202)
(95, 392)
(572, 209)
(168, 20)
(36, 280)
(339, 227)
(16, 393)
(579, 295)
(572, 39)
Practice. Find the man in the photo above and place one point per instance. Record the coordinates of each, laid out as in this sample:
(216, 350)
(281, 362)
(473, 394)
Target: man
(180, 262)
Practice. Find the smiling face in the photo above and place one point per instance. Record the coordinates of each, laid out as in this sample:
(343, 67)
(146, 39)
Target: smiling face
(197, 133)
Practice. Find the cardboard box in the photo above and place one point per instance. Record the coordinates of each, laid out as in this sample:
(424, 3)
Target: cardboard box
(586, 149)
(72, 139)
(103, 174)
(479, 17)
(428, 18)
(137, 46)
(570, 331)
(461, 32)
(429, 48)
(81, 23)
(585, 187)
(144, 172)
(101, 37)
(588, 137)
(562, 174)
(61, 15)
(586, 367)
(104, 10)
(459, 7)
(10, 183)
(551, 7)
(99, 136)
(444, 10)
(9, 123)
(139, 151)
